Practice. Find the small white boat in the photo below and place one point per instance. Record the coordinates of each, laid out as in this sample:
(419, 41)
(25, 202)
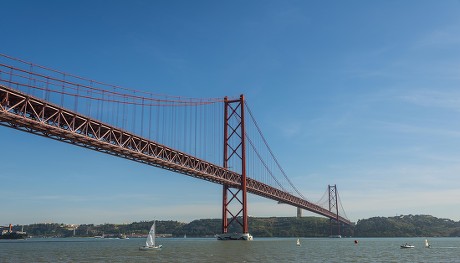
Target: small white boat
(298, 242)
(150, 242)
(122, 236)
(407, 246)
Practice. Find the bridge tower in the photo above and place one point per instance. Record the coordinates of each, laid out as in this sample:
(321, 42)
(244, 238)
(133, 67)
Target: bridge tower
(234, 200)
(333, 207)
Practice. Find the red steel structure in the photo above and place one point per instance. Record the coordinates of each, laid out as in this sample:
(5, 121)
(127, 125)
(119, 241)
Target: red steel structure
(234, 110)
(40, 116)
(28, 113)
(334, 207)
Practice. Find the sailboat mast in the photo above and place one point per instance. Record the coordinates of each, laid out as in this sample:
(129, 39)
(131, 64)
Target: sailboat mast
(153, 233)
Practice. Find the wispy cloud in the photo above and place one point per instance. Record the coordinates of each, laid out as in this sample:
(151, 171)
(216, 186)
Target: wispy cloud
(94, 198)
(414, 129)
(441, 37)
(446, 99)
(291, 128)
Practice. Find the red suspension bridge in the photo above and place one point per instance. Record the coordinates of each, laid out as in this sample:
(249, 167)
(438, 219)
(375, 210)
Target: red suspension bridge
(216, 140)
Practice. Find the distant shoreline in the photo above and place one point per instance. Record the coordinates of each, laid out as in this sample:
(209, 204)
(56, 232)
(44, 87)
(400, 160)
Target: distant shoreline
(398, 226)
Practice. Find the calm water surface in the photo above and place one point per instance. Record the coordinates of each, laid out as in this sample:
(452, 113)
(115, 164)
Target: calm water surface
(211, 250)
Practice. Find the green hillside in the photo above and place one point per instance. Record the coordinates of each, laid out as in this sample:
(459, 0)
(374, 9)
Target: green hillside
(407, 226)
(398, 226)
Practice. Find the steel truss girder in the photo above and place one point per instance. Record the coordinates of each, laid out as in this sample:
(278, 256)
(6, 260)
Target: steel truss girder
(32, 115)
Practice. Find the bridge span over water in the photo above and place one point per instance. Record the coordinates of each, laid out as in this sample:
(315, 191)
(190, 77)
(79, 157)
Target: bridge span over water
(171, 133)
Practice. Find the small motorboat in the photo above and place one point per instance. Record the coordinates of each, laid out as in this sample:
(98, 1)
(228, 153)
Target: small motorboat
(407, 246)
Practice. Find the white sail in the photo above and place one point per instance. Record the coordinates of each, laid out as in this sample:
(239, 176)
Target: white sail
(150, 242)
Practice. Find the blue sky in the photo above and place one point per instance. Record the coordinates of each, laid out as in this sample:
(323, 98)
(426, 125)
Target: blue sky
(362, 94)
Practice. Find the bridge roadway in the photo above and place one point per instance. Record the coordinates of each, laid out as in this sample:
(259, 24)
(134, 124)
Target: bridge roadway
(34, 115)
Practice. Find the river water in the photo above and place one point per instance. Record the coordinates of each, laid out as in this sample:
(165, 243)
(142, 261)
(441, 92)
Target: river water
(211, 250)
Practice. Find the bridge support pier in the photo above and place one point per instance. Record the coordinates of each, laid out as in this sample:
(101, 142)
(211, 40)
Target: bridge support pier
(299, 212)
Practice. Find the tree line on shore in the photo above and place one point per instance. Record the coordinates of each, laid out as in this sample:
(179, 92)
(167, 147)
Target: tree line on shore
(398, 226)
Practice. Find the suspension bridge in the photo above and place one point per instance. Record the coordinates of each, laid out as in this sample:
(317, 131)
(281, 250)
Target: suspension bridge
(213, 139)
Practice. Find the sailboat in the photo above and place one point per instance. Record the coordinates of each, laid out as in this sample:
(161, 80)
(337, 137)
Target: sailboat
(298, 242)
(427, 245)
(150, 242)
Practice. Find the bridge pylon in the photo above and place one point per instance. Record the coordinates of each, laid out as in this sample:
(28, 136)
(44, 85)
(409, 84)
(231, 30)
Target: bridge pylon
(234, 199)
(334, 207)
